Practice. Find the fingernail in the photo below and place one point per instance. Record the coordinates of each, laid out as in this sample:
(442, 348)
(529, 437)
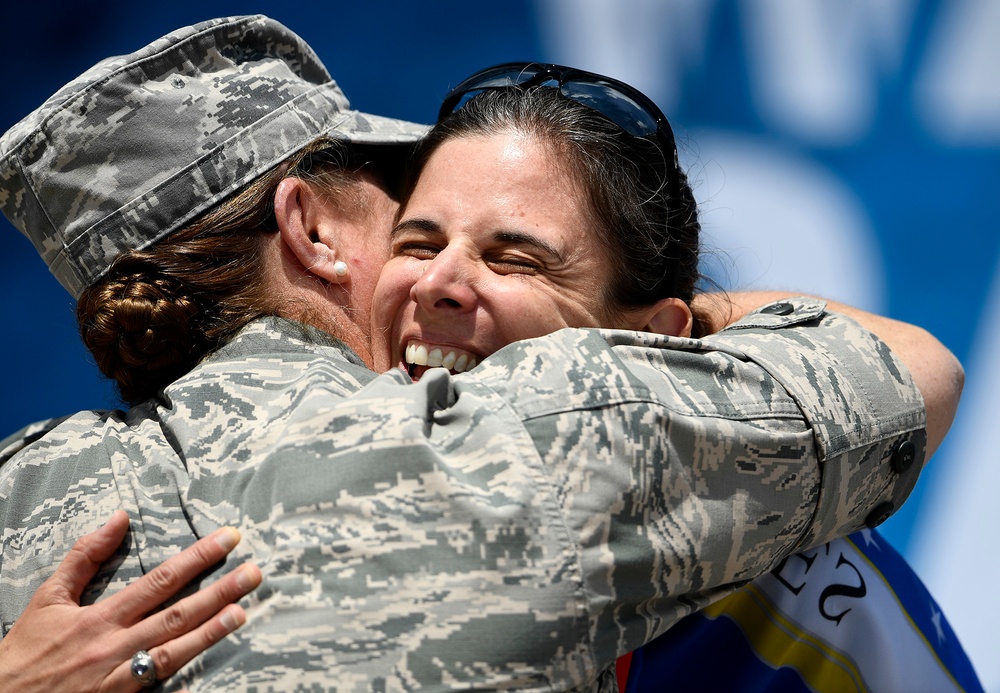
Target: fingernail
(228, 538)
(247, 577)
(114, 515)
(233, 618)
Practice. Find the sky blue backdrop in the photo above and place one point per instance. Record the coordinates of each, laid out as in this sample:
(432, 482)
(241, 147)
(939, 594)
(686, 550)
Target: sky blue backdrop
(858, 137)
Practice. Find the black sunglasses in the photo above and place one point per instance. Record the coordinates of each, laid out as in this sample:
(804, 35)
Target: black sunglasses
(625, 106)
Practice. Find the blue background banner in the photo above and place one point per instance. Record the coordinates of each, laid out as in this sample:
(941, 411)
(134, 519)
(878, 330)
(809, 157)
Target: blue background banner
(845, 148)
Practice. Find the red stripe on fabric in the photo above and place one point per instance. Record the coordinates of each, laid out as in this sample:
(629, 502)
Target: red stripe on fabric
(621, 669)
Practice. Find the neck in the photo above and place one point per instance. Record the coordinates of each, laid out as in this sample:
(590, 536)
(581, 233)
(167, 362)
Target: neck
(301, 295)
(338, 321)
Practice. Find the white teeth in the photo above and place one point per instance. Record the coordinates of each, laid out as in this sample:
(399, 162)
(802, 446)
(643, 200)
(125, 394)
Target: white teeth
(434, 357)
(419, 355)
(416, 354)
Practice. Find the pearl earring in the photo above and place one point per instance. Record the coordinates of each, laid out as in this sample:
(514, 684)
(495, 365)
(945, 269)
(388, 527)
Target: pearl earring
(340, 268)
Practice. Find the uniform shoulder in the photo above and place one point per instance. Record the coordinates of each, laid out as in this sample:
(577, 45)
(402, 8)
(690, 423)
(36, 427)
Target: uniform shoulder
(19, 440)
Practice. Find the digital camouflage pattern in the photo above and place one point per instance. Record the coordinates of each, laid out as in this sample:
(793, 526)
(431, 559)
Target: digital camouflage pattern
(519, 526)
(139, 145)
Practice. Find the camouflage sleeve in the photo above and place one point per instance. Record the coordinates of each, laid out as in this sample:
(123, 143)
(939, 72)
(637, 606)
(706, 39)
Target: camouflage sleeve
(866, 414)
(778, 434)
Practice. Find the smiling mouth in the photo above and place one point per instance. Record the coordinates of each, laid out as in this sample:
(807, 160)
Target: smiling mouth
(419, 356)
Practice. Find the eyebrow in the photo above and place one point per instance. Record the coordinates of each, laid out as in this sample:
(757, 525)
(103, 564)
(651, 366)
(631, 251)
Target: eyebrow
(418, 224)
(517, 238)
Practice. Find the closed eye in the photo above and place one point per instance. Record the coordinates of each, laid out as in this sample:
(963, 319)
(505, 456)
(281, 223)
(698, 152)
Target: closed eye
(417, 238)
(514, 265)
(419, 251)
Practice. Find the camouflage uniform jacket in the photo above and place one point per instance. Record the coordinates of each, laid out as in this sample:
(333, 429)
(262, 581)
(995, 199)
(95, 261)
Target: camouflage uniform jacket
(517, 527)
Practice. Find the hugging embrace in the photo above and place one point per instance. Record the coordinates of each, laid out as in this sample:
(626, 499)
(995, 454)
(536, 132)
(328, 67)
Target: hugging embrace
(449, 403)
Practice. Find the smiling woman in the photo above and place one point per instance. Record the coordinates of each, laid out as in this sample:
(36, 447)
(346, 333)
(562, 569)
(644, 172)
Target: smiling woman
(532, 213)
(520, 263)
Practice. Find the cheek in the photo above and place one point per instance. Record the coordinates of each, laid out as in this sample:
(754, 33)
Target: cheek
(528, 313)
(554, 313)
(392, 292)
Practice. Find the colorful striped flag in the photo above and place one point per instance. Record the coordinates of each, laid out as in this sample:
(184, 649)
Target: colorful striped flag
(848, 616)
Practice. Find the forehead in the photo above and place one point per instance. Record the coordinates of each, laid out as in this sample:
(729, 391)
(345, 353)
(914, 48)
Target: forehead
(519, 172)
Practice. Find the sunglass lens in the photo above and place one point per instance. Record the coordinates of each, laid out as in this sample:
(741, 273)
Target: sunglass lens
(612, 103)
(501, 77)
(507, 78)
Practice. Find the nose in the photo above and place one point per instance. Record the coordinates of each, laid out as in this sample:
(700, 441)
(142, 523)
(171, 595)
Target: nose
(446, 283)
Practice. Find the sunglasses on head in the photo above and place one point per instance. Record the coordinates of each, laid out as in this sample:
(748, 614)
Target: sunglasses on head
(625, 106)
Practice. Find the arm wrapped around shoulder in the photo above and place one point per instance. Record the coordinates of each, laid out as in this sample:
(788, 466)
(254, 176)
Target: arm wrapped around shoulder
(669, 470)
(860, 399)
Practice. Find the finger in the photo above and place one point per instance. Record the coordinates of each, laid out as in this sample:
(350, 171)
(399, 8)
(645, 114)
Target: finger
(169, 657)
(190, 613)
(173, 655)
(86, 556)
(151, 590)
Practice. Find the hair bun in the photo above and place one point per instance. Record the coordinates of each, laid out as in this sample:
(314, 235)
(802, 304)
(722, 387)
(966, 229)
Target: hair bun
(140, 327)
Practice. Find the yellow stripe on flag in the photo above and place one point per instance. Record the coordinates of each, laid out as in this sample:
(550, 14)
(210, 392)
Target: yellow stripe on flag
(779, 642)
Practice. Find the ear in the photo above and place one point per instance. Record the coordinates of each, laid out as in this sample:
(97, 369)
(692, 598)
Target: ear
(669, 316)
(300, 215)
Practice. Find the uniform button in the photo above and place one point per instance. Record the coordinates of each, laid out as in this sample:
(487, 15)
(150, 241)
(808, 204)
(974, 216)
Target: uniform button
(879, 515)
(778, 309)
(903, 456)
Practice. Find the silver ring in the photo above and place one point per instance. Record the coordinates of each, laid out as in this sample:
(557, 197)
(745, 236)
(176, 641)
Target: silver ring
(143, 668)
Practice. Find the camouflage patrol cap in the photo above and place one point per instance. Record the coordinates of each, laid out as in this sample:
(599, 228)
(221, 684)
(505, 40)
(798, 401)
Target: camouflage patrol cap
(140, 144)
